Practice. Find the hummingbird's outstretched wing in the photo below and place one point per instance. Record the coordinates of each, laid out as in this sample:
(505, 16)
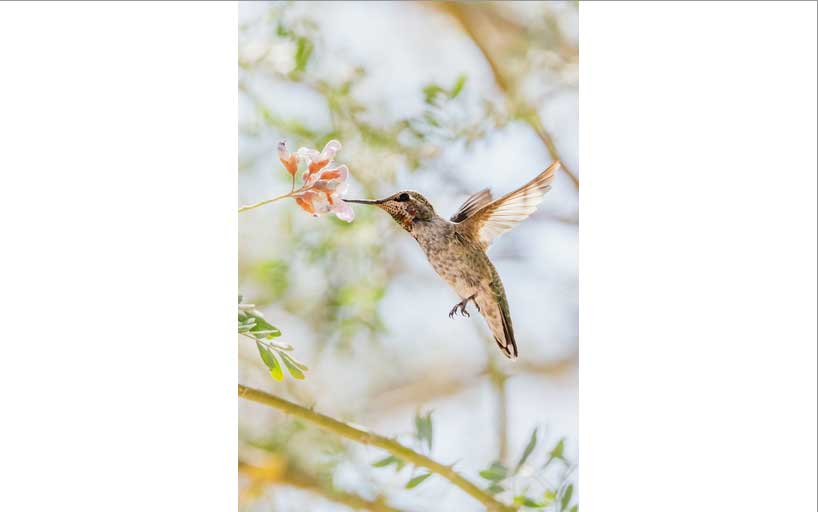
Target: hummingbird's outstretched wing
(472, 204)
(497, 217)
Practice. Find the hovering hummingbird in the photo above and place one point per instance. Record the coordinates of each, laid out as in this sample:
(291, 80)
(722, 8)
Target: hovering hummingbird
(456, 248)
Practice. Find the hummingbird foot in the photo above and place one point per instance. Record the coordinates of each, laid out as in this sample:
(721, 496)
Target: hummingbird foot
(462, 307)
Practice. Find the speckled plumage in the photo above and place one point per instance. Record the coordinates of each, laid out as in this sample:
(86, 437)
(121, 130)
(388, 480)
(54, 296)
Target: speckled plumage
(462, 262)
(457, 248)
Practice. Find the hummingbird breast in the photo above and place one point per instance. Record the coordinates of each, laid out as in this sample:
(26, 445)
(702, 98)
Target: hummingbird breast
(460, 261)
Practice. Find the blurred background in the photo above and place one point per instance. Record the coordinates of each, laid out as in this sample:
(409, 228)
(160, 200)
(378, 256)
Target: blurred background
(443, 98)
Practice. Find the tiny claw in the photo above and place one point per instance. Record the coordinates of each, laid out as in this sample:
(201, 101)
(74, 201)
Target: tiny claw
(461, 306)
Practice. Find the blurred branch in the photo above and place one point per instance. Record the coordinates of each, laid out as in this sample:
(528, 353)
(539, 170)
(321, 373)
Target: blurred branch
(369, 438)
(475, 25)
(431, 388)
(498, 378)
(306, 482)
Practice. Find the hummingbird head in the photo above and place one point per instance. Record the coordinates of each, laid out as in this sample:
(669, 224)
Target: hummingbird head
(405, 207)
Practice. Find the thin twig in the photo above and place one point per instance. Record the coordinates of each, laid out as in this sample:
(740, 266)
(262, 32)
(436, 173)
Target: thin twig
(369, 438)
(266, 201)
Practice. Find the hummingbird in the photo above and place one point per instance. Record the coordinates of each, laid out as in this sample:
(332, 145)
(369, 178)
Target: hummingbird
(456, 248)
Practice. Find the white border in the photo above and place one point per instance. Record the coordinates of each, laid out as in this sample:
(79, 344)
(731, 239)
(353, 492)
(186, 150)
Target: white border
(118, 156)
(697, 256)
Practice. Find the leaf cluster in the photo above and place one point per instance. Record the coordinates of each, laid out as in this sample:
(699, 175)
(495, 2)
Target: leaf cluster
(251, 323)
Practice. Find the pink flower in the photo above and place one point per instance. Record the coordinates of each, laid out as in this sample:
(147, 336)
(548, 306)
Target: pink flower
(324, 182)
(322, 193)
(318, 161)
(289, 160)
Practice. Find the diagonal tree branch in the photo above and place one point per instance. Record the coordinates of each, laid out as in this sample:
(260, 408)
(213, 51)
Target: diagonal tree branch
(474, 21)
(368, 438)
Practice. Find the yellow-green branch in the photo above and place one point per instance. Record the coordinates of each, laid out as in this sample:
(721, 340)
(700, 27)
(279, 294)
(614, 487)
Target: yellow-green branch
(305, 482)
(368, 438)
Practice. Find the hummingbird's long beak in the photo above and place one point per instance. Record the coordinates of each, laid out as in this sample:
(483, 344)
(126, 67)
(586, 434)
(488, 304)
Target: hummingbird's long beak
(365, 201)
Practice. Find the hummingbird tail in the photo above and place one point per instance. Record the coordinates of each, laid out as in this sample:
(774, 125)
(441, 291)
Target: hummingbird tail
(509, 348)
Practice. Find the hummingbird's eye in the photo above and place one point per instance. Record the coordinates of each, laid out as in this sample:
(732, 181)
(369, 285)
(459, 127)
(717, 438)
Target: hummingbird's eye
(403, 197)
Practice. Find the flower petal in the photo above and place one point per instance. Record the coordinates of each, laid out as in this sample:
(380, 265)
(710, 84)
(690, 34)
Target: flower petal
(343, 211)
(288, 160)
(316, 166)
(308, 153)
(307, 201)
(283, 154)
(330, 149)
(340, 173)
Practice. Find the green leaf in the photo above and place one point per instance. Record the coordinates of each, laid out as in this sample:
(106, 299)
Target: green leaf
(260, 334)
(525, 501)
(532, 443)
(423, 428)
(411, 484)
(266, 355)
(431, 119)
(495, 488)
(430, 93)
(496, 472)
(292, 367)
(385, 462)
(458, 86)
(303, 51)
(290, 360)
(261, 328)
(271, 362)
(550, 496)
(277, 374)
(246, 327)
(345, 88)
(566, 496)
(575, 508)
(557, 452)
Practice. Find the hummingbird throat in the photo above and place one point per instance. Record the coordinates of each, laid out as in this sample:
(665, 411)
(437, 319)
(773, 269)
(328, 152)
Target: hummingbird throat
(405, 220)
(407, 217)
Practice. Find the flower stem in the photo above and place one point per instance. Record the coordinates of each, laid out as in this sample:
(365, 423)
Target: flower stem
(262, 203)
(370, 438)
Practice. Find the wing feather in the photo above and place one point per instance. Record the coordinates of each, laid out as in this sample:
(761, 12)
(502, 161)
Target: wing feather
(495, 218)
(472, 204)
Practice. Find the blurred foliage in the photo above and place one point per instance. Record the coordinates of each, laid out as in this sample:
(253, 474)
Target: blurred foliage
(352, 265)
(553, 490)
(351, 260)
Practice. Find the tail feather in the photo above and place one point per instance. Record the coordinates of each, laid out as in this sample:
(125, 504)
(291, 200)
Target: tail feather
(495, 311)
(509, 348)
